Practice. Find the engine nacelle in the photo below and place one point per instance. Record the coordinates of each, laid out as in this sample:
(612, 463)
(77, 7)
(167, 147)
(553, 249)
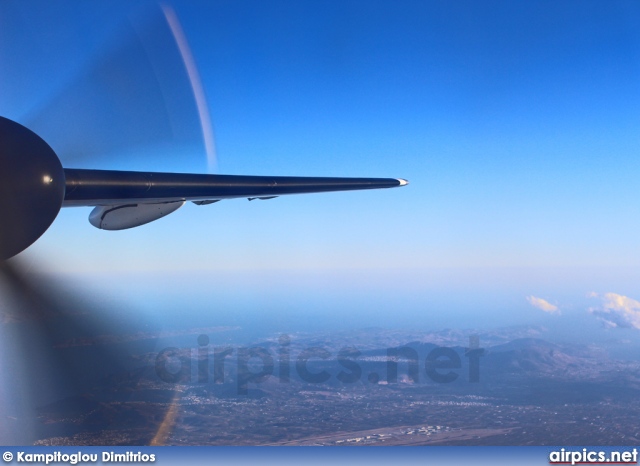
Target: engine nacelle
(126, 216)
(32, 187)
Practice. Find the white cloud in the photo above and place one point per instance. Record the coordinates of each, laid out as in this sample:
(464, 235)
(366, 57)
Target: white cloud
(617, 310)
(543, 305)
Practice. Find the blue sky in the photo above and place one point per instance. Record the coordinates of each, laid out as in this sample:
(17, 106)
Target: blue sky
(516, 124)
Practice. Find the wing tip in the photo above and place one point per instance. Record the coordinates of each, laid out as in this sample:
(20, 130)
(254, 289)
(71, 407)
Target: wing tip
(402, 182)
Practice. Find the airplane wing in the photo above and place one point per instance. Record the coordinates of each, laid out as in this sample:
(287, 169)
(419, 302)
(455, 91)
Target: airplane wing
(108, 187)
(125, 199)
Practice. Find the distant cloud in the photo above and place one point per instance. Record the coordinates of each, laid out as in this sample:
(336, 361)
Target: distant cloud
(543, 305)
(617, 311)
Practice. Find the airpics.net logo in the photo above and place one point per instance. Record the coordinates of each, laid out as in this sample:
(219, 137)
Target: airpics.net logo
(587, 456)
(256, 364)
(58, 457)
